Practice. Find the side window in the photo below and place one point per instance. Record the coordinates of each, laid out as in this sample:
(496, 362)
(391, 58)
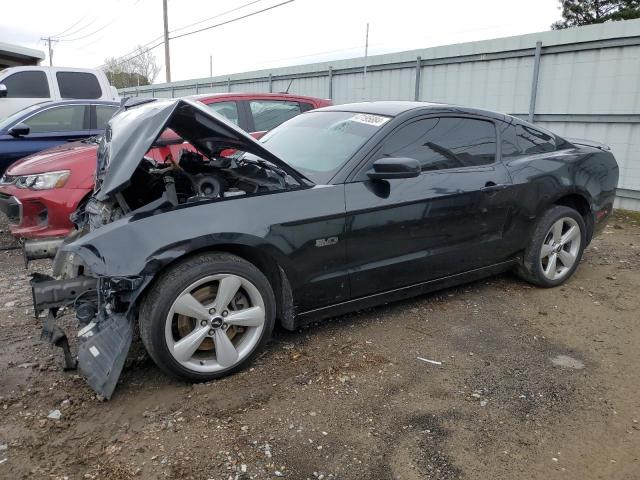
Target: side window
(31, 84)
(441, 143)
(268, 114)
(68, 118)
(228, 110)
(103, 115)
(532, 141)
(78, 85)
(509, 140)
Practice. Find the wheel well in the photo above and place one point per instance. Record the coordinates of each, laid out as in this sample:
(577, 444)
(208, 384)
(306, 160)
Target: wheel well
(265, 263)
(581, 205)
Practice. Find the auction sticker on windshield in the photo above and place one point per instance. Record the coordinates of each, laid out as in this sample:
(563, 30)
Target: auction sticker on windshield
(369, 119)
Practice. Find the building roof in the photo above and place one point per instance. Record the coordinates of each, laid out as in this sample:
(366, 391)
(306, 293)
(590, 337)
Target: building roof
(13, 55)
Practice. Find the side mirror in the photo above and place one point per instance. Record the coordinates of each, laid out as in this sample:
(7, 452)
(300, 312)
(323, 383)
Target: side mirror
(19, 130)
(3, 90)
(389, 168)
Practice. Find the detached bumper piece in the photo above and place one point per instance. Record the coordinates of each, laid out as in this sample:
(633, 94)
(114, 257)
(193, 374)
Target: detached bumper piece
(104, 341)
(53, 334)
(102, 349)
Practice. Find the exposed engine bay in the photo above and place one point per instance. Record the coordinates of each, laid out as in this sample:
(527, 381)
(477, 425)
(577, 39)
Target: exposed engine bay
(192, 178)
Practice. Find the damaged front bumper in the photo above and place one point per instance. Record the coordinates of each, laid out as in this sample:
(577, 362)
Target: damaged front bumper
(104, 310)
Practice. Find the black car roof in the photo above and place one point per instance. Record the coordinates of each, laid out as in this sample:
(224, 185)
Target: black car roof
(395, 108)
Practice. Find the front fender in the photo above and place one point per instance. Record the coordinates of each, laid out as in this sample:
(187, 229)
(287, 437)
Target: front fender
(141, 245)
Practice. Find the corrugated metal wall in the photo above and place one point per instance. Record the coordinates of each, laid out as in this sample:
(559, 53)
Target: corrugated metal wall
(588, 84)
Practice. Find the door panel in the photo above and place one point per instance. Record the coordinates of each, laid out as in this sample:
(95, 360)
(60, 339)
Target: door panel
(402, 232)
(310, 232)
(448, 220)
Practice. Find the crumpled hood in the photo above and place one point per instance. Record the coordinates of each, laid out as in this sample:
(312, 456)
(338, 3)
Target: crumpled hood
(132, 132)
(62, 157)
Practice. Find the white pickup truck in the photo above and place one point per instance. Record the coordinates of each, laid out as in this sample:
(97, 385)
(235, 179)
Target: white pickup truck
(21, 87)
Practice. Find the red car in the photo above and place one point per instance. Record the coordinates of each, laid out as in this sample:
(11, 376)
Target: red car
(38, 193)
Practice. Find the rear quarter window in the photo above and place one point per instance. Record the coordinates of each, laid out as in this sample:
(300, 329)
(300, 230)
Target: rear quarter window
(78, 85)
(520, 140)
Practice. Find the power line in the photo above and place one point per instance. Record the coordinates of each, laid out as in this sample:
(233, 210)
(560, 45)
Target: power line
(140, 46)
(189, 25)
(72, 26)
(232, 20)
(92, 33)
(135, 56)
(217, 15)
(124, 60)
(78, 30)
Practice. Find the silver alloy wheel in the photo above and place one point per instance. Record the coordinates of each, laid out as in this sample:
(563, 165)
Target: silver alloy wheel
(560, 248)
(212, 321)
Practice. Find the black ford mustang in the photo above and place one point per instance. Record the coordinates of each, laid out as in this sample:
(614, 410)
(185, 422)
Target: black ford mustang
(337, 209)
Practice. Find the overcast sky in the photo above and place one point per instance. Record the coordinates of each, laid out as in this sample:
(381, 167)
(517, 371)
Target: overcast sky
(302, 31)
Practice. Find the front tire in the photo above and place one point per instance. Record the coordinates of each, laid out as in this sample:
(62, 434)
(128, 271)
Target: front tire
(555, 249)
(207, 317)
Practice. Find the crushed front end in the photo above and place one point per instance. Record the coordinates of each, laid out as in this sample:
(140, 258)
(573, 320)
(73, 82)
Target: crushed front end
(104, 309)
(128, 230)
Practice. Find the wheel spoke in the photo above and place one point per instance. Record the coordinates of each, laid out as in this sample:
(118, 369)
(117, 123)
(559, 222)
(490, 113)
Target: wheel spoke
(567, 258)
(557, 230)
(227, 289)
(248, 317)
(226, 353)
(187, 305)
(550, 271)
(184, 348)
(546, 250)
(570, 235)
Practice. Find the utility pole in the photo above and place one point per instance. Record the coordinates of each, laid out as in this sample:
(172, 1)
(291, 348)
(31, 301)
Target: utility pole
(366, 58)
(167, 58)
(49, 42)
(211, 65)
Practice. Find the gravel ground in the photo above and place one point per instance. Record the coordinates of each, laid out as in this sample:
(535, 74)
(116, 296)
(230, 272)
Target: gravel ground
(532, 383)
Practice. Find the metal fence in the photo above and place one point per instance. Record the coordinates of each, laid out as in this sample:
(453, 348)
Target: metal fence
(581, 82)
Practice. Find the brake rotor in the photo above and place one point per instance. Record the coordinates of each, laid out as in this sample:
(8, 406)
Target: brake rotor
(207, 295)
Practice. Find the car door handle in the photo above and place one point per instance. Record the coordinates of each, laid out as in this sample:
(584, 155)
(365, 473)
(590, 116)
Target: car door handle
(491, 187)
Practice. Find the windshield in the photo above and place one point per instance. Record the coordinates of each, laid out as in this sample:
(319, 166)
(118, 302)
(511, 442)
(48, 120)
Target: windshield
(9, 121)
(318, 144)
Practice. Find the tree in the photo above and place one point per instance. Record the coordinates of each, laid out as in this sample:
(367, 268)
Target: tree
(586, 12)
(139, 68)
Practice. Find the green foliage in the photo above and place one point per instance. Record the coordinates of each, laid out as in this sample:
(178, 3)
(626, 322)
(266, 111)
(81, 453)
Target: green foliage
(586, 12)
(120, 79)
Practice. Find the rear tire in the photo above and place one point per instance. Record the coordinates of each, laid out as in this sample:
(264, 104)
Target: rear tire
(207, 317)
(555, 248)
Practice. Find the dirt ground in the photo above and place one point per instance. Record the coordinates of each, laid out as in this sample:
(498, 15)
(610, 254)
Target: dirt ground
(350, 398)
